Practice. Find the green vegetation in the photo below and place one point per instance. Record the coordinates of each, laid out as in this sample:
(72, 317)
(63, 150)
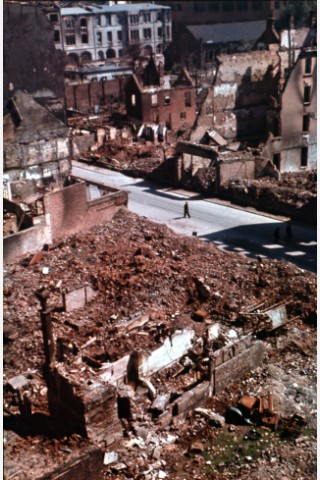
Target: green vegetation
(300, 9)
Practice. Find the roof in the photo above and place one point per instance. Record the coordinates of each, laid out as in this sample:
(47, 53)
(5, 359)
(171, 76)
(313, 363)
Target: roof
(30, 120)
(99, 69)
(228, 32)
(93, 9)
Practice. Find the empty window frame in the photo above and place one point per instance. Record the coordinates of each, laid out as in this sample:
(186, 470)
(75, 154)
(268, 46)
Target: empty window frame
(167, 100)
(304, 157)
(168, 32)
(109, 36)
(83, 23)
(307, 65)
(69, 23)
(57, 36)
(159, 32)
(307, 94)
(119, 35)
(134, 34)
(99, 38)
(277, 160)
(70, 39)
(98, 20)
(54, 17)
(134, 19)
(147, 33)
(154, 100)
(84, 38)
(187, 99)
(183, 115)
(147, 17)
(305, 123)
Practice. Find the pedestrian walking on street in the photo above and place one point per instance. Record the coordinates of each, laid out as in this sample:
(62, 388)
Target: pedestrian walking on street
(276, 235)
(186, 211)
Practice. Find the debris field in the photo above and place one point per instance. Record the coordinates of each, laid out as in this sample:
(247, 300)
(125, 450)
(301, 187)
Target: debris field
(135, 286)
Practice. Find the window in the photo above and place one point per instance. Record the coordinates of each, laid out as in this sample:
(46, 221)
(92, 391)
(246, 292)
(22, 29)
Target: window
(54, 17)
(109, 36)
(99, 38)
(213, 6)
(57, 36)
(108, 19)
(147, 17)
(133, 100)
(304, 157)
(227, 6)
(168, 32)
(199, 6)
(98, 20)
(146, 33)
(134, 19)
(70, 39)
(242, 5)
(187, 99)
(156, 118)
(257, 5)
(84, 38)
(134, 34)
(159, 32)
(83, 23)
(154, 100)
(167, 100)
(120, 53)
(305, 123)
(120, 19)
(69, 24)
(306, 94)
(183, 115)
(307, 66)
(119, 35)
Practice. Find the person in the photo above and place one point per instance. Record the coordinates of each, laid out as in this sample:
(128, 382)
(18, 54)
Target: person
(186, 210)
(276, 235)
(288, 232)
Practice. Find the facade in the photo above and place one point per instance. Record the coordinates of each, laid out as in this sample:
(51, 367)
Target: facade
(221, 11)
(156, 98)
(105, 32)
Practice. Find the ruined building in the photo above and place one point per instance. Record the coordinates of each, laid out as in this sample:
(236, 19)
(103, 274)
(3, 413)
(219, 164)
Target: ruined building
(30, 60)
(162, 99)
(105, 32)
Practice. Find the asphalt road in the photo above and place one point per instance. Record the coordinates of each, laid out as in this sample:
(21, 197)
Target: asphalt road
(231, 229)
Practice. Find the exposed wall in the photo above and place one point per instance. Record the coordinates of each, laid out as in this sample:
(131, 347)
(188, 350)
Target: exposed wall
(236, 169)
(70, 212)
(26, 241)
(85, 96)
(22, 156)
(31, 61)
(245, 90)
(293, 139)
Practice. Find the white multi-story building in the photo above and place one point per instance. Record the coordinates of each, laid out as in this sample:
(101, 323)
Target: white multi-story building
(101, 32)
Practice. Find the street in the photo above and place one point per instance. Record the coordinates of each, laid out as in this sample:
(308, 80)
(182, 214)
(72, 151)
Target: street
(231, 229)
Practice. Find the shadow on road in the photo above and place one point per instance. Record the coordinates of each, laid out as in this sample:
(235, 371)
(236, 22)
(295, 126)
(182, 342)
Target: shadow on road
(258, 240)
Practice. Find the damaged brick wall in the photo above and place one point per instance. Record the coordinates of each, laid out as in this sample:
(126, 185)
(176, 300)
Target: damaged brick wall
(236, 169)
(70, 212)
(29, 240)
(245, 90)
(85, 96)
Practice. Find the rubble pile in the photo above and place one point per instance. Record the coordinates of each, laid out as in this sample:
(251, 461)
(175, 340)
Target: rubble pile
(129, 286)
(294, 194)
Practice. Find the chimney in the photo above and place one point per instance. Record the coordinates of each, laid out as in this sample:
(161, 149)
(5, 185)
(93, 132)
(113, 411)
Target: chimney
(161, 73)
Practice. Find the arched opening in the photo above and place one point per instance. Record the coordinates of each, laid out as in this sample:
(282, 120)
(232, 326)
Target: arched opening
(72, 59)
(101, 55)
(111, 53)
(86, 57)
